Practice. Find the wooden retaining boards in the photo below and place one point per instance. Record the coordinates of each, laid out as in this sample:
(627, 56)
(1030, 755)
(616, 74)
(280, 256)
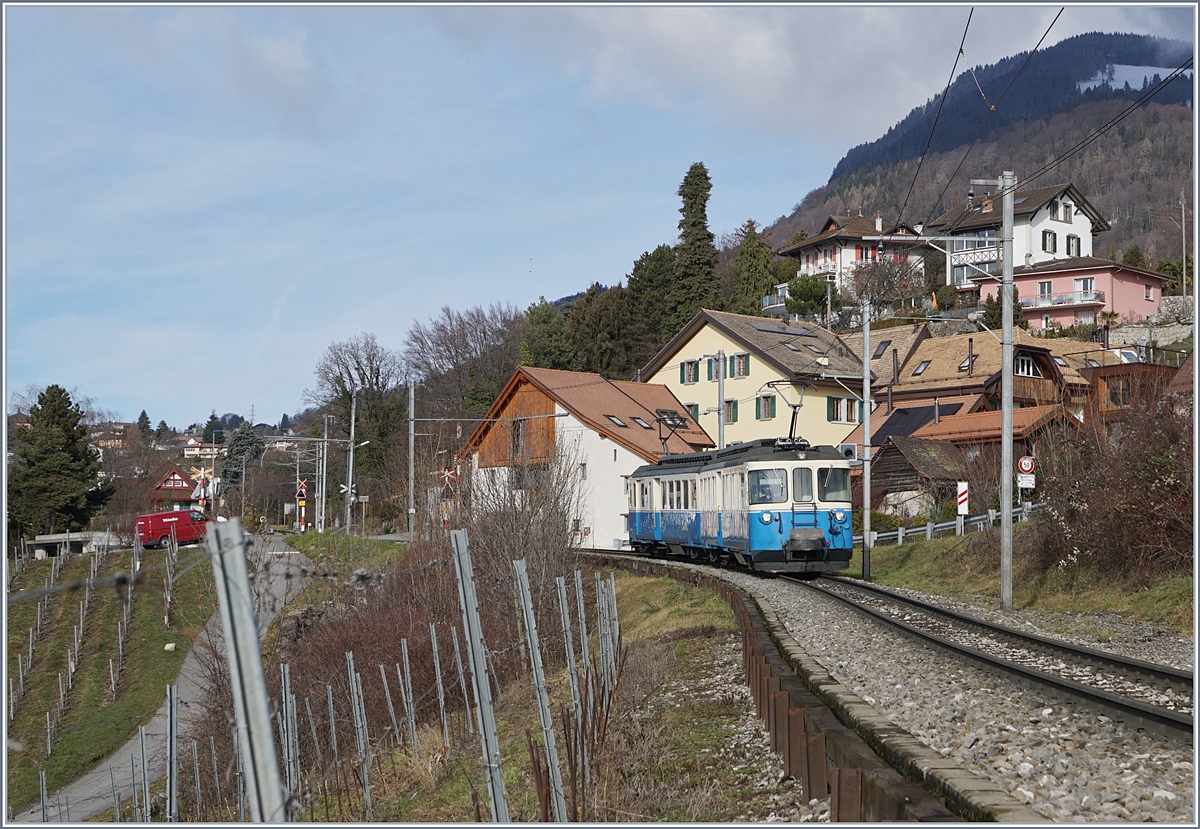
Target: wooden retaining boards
(873, 770)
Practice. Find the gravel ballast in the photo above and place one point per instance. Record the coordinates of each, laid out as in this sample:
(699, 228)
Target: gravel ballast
(1067, 762)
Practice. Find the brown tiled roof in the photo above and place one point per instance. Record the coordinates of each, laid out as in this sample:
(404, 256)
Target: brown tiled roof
(936, 460)
(1079, 263)
(903, 338)
(910, 415)
(984, 427)
(590, 398)
(1025, 203)
(794, 349)
(837, 227)
(946, 354)
(1183, 381)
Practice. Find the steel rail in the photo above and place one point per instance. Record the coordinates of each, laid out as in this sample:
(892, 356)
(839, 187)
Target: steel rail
(1133, 712)
(1145, 671)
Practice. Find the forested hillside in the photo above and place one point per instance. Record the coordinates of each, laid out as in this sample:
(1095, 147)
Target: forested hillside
(1045, 84)
(1133, 175)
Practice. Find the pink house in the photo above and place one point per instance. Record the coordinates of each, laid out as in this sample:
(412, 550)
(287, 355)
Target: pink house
(1074, 291)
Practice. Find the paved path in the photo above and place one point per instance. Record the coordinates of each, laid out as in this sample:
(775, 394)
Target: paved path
(91, 794)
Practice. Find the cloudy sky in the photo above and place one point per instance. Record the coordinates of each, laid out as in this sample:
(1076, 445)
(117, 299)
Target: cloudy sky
(199, 200)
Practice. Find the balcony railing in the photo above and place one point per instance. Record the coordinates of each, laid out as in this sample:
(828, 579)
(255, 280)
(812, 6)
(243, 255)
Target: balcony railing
(774, 302)
(824, 268)
(1076, 298)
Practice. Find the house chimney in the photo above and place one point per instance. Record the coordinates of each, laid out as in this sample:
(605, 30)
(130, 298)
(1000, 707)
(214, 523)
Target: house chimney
(860, 211)
(986, 206)
(970, 198)
(937, 411)
(895, 363)
(970, 356)
(889, 396)
(878, 222)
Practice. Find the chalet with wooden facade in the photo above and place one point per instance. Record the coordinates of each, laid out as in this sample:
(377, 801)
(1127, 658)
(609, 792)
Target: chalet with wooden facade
(599, 430)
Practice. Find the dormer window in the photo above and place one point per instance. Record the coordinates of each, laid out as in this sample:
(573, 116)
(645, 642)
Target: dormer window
(1024, 366)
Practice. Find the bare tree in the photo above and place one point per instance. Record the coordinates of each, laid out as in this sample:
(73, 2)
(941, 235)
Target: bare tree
(362, 366)
(463, 358)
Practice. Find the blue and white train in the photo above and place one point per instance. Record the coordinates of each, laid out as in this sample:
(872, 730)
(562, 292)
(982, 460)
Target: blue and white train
(777, 505)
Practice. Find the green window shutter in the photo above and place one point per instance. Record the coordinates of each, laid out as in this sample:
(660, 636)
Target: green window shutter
(729, 372)
(747, 365)
(758, 415)
(829, 409)
(860, 411)
(772, 399)
(734, 413)
(682, 374)
(709, 363)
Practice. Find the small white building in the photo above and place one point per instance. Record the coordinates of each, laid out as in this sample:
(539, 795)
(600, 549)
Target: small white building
(605, 429)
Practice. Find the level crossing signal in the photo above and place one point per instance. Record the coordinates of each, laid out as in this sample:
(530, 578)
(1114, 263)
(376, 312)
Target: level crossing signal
(302, 488)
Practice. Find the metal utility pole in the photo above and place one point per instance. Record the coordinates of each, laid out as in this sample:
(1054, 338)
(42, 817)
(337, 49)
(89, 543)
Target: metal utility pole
(323, 464)
(412, 510)
(350, 466)
(1183, 239)
(226, 547)
(719, 357)
(543, 696)
(1007, 184)
(866, 424)
(483, 694)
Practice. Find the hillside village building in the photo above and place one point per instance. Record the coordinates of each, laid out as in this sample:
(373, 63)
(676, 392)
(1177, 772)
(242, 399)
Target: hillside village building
(1054, 222)
(843, 245)
(769, 366)
(602, 429)
(1080, 290)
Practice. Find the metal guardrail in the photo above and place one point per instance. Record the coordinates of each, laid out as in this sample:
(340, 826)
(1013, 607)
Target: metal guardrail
(959, 525)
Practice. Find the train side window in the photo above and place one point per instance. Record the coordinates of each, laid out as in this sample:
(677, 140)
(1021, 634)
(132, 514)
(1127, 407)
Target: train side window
(833, 484)
(802, 484)
(768, 486)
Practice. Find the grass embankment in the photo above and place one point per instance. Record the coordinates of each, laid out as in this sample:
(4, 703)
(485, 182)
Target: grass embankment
(94, 724)
(658, 761)
(968, 567)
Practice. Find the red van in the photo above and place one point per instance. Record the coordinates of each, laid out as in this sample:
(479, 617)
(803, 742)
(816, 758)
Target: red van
(155, 528)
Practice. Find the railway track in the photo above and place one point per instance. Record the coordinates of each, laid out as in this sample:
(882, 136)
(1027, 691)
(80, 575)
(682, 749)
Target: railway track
(1145, 695)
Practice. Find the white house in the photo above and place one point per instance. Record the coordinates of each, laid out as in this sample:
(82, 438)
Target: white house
(844, 244)
(605, 429)
(1054, 222)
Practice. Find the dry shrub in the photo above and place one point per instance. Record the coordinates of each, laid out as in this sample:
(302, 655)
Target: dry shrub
(1120, 499)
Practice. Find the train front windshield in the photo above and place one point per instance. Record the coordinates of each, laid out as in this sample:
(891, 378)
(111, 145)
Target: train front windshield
(768, 486)
(833, 484)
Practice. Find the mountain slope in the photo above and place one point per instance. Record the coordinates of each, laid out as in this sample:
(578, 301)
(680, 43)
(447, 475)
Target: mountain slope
(1133, 175)
(1048, 84)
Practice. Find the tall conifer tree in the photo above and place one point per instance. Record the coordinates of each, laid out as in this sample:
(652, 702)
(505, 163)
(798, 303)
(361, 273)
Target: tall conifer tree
(753, 275)
(696, 254)
(54, 484)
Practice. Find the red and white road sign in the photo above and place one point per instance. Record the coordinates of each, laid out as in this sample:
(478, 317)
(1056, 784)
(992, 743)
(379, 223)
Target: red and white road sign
(1025, 464)
(962, 498)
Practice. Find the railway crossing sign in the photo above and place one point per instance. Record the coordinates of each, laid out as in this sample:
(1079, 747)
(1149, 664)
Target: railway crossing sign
(1025, 465)
(302, 488)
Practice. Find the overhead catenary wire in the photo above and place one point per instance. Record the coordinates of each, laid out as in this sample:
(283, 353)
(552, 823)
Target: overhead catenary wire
(991, 112)
(936, 117)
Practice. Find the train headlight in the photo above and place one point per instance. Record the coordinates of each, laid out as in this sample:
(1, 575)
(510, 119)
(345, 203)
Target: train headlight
(767, 517)
(838, 515)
